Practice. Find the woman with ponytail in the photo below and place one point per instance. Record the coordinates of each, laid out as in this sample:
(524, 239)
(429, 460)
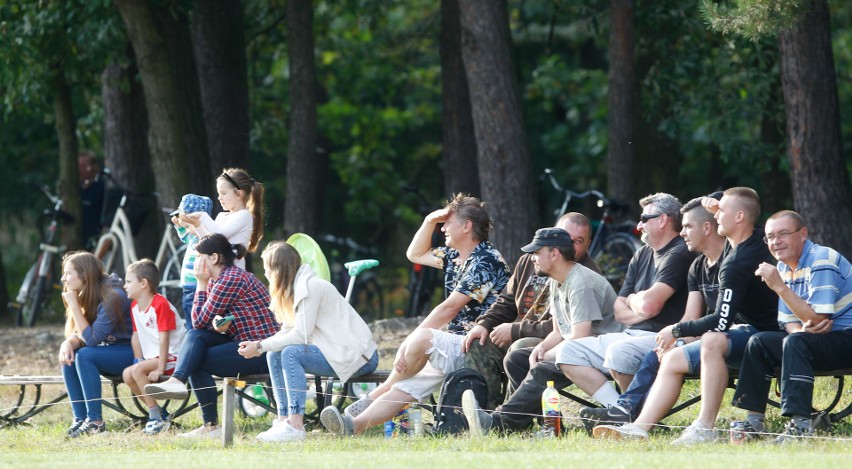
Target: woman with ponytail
(241, 221)
(230, 306)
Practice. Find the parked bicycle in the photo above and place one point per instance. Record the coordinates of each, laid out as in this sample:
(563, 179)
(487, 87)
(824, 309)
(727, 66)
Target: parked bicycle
(116, 248)
(612, 245)
(422, 280)
(41, 277)
(366, 294)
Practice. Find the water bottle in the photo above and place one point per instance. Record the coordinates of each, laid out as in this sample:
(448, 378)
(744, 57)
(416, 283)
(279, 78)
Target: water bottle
(257, 393)
(403, 427)
(415, 417)
(389, 428)
(552, 425)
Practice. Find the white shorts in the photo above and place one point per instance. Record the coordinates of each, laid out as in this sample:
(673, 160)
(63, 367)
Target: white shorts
(445, 356)
(619, 351)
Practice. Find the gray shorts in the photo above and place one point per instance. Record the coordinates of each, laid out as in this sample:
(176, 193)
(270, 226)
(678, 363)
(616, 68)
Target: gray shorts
(619, 351)
(445, 356)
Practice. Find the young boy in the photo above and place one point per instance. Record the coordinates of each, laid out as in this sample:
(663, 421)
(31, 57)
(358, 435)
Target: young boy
(157, 337)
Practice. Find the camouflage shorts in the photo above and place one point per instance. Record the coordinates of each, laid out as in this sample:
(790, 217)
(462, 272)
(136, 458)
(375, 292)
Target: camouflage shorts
(488, 361)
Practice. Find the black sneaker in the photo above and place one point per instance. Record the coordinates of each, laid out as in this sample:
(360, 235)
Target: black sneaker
(88, 428)
(610, 415)
(74, 426)
(794, 433)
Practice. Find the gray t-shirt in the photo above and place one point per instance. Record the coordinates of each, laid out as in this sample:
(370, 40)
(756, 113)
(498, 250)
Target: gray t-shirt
(585, 296)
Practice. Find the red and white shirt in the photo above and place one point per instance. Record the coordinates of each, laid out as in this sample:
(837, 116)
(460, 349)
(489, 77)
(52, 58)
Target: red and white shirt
(160, 316)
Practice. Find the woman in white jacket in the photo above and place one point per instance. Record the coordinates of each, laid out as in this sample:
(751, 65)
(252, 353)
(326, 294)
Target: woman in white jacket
(321, 335)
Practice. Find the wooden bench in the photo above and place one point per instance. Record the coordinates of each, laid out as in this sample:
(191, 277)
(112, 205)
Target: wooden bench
(27, 407)
(820, 418)
(325, 396)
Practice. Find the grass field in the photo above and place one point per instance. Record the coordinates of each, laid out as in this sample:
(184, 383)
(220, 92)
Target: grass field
(42, 444)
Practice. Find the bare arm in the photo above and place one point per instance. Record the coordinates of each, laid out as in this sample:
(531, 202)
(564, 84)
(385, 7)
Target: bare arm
(648, 303)
(420, 249)
(797, 305)
(442, 314)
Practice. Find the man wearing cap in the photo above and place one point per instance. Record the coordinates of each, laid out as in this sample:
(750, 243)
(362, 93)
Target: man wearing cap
(581, 303)
(653, 296)
(520, 317)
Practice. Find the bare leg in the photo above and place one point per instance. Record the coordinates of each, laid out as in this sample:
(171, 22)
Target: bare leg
(140, 377)
(621, 379)
(384, 408)
(415, 359)
(714, 376)
(297, 421)
(584, 377)
(666, 389)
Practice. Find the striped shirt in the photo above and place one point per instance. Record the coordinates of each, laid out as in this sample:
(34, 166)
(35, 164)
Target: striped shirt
(824, 280)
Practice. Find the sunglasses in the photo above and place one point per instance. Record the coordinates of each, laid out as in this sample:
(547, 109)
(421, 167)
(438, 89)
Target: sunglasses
(649, 216)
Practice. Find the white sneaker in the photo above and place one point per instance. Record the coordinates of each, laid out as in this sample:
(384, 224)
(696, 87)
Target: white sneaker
(282, 432)
(204, 431)
(171, 389)
(620, 432)
(275, 424)
(696, 433)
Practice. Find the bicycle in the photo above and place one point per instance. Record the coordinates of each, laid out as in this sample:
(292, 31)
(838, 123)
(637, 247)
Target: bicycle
(612, 245)
(40, 278)
(366, 292)
(116, 248)
(422, 280)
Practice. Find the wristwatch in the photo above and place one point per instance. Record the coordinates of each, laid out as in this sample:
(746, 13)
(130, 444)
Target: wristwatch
(259, 347)
(680, 343)
(676, 331)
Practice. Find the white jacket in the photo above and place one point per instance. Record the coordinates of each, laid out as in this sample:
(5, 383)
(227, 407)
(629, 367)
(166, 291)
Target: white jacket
(325, 319)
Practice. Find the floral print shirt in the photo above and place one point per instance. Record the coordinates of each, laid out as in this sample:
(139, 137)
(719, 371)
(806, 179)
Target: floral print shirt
(482, 276)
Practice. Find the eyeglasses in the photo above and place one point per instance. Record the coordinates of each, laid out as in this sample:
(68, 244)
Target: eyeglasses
(649, 216)
(782, 236)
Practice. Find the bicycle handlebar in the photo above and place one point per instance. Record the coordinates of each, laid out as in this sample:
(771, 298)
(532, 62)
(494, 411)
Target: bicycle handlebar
(603, 201)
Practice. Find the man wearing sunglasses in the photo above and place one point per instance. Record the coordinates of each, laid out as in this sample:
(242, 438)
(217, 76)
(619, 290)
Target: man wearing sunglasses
(653, 296)
(744, 307)
(814, 288)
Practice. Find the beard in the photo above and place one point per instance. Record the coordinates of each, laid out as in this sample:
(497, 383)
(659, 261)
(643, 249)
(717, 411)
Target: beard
(540, 272)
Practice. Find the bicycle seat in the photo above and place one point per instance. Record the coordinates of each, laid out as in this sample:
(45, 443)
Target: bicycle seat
(356, 267)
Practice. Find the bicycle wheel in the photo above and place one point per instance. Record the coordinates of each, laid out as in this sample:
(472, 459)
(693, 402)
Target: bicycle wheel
(367, 299)
(614, 257)
(170, 280)
(420, 288)
(28, 311)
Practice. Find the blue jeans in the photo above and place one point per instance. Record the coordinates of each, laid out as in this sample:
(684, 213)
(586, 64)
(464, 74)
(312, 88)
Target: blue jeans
(287, 370)
(186, 303)
(738, 337)
(205, 353)
(83, 377)
(632, 399)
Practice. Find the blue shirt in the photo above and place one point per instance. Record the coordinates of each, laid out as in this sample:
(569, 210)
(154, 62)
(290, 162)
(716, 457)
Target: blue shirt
(482, 276)
(824, 280)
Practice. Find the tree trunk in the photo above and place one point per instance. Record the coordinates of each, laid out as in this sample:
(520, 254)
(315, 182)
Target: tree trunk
(302, 207)
(5, 316)
(219, 44)
(821, 188)
(66, 131)
(126, 146)
(169, 139)
(503, 154)
(459, 142)
(622, 101)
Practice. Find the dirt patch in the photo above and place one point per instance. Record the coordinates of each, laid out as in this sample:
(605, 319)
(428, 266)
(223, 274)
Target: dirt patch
(32, 351)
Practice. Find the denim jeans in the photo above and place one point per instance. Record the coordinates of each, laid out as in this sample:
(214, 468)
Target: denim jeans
(287, 369)
(206, 353)
(186, 303)
(83, 377)
(632, 399)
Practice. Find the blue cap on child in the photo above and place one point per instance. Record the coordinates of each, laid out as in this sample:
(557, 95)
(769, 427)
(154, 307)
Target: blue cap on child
(191, 203)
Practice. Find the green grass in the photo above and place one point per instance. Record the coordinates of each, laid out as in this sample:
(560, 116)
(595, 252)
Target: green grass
(42, 444)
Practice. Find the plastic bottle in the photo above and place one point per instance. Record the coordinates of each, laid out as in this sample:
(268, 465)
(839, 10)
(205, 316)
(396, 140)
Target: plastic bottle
(403, 427)
(415, 418)
(257, 393)
(389, 428)
(738, 434)
(552, 426)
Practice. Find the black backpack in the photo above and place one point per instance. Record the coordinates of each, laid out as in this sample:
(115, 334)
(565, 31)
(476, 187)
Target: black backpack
(449, 418)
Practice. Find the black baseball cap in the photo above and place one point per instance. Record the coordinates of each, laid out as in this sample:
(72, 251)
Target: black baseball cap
(550, 237)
